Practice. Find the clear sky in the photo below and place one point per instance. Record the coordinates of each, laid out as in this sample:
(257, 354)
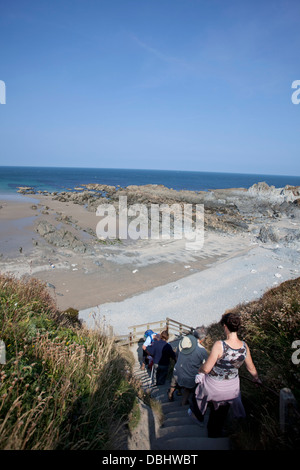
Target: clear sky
(200, 85)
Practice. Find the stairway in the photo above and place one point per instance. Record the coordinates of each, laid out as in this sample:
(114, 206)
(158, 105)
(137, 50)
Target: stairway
(179, 431)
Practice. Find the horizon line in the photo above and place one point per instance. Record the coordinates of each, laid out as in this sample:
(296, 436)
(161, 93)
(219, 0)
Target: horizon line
(150, 169)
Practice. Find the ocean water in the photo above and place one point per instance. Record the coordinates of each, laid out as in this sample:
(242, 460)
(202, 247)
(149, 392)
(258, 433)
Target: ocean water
(61, 179)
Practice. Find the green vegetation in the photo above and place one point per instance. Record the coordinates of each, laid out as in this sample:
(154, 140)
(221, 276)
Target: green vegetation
(270, 326)
(62, 387)
(65, 387)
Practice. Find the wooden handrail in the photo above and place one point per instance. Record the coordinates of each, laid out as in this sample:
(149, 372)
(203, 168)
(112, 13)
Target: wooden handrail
(179, 323)
(148, 324)
(181, 327)
(137, 331)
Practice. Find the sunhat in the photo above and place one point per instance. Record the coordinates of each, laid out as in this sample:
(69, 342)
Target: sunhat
(187, 344)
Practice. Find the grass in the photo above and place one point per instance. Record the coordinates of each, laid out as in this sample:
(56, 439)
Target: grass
(62, 387)
(270, 326)
(135, 416)
(65, 387)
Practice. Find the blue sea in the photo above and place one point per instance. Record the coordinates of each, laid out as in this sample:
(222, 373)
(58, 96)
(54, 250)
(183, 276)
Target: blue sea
(61, 179)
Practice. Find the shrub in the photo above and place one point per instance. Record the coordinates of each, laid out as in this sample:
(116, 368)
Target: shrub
(62, 387)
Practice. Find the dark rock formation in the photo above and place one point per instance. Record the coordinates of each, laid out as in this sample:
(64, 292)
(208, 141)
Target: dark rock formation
(267, 234)
(60, 237)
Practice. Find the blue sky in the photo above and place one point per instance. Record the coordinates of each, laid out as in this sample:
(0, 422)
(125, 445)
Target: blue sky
(200, 85)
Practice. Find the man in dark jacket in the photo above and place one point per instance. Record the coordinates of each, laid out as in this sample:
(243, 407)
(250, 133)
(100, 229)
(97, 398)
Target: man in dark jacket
(162, 352)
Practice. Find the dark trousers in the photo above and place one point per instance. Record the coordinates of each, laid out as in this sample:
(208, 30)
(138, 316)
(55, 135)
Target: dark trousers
(217, 420)
(161, 374)
(194, 407)
(145, 358)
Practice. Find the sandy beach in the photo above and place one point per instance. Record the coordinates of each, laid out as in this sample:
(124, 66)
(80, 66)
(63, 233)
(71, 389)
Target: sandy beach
(131, 282)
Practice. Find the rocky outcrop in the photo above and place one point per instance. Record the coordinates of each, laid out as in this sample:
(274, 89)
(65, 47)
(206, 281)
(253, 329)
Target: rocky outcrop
(274, 195)
(267, 234)
(60, 237)
(157, 194)
(106, 189)
(292, 235)
(25, 190)
(226, 210)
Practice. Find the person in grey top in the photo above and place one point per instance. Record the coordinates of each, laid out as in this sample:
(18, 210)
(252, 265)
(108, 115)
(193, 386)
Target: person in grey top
(191, 356)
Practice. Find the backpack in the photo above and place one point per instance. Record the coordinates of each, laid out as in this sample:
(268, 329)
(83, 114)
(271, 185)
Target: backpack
(149, 333)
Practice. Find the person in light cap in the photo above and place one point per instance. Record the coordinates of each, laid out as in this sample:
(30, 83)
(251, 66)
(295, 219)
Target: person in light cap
(191, 356)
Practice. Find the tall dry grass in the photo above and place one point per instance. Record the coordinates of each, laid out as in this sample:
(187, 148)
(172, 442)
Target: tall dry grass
(63, 387)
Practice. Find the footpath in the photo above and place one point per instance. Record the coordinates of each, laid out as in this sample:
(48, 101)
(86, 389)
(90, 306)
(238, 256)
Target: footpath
(175, 429)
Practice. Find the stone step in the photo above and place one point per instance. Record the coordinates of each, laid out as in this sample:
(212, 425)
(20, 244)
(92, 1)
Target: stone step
(139, 372)
(186, 430)
(179, 431)
(177, 415)
(192, 443)
(144, 378)
(178, 420)
(161, 390)
(171, 406)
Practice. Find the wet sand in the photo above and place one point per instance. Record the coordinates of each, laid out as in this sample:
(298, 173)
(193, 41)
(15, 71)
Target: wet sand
(113, 272)
(132, 282)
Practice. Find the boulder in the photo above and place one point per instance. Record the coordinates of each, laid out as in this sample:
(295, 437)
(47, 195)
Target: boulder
(267, 234)
(26, 190)
(274, 195)
(292, 235)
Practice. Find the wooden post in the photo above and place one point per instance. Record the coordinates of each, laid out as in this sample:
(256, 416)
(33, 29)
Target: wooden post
(133, 334)
(286, 409)
(2, 352)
